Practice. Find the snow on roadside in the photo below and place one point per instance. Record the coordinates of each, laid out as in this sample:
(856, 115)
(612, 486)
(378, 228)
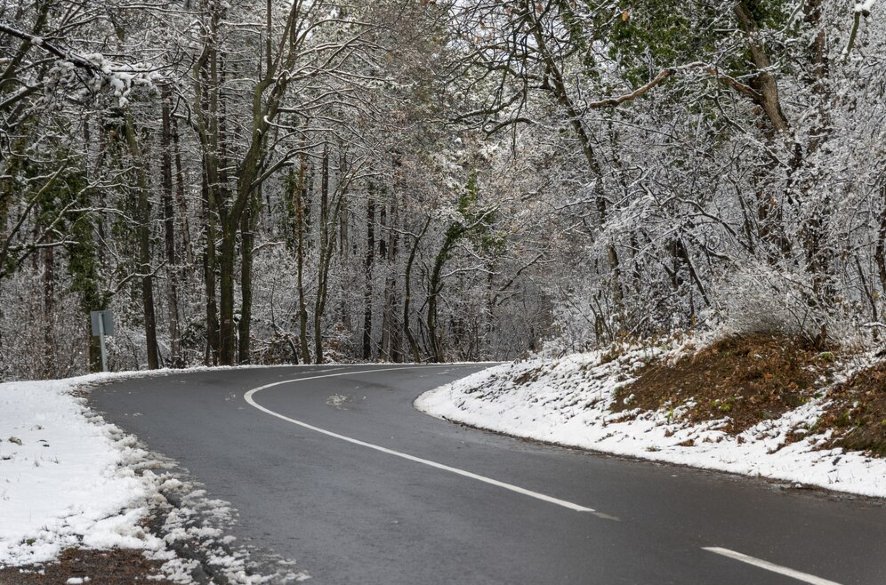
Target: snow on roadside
(567, 402)
(64, 481)
(70, 479)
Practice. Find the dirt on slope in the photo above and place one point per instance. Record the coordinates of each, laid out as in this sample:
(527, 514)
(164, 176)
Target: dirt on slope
(748, 379)
(857, 412)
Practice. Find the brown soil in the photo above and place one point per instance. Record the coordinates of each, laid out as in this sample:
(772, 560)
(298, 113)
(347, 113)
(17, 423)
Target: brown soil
(857, 412)
(108, 567)
(748, 379)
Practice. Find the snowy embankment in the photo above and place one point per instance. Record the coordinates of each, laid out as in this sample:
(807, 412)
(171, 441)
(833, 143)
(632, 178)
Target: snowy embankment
(70, 479)
(65, 480)
(568, 402)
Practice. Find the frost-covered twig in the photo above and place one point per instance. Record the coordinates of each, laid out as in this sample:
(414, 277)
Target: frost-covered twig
(74, 58)
(862, 9)
(120, 77)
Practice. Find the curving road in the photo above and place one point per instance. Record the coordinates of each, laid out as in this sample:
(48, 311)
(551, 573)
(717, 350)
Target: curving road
(332, 466)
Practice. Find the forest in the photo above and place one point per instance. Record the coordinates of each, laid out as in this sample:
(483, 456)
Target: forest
(301, 181)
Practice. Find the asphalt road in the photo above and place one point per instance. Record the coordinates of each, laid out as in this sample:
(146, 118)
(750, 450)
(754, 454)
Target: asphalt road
(334, 468)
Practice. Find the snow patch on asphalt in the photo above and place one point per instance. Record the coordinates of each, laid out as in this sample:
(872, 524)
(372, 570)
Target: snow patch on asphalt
(197, 546)
(567, 402)
(69, 479)
(338, 401)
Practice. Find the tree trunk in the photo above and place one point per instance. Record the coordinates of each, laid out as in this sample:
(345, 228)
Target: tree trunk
(435, 287)
(209, 266)
(49, 365)
(181, 202)
(206, 109)
(84, 260)
(391, 338)
(763, 82)
(367, 274)
(326, 246)
(815, 227)
(247, 241)
(172, 271)
(230, 222)
(299, 195)
(329, 219)
(144, 245)
(880, 248)
(407, 293)
(226, 260)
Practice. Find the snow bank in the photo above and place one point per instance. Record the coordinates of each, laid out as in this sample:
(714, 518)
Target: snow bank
(64, 481)
(567, 402)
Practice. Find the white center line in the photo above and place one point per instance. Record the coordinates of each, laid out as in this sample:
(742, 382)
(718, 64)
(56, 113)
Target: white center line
(249, 397)
(805, 577)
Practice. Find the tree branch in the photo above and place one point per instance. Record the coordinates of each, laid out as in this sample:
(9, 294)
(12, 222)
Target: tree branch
(73, 58)
(640, 91)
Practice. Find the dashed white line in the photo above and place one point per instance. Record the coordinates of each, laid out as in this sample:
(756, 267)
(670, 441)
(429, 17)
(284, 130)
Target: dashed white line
(760, 563)
(249, 397)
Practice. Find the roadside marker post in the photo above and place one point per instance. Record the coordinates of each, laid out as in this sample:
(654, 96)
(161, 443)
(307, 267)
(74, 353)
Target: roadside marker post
(102, 324)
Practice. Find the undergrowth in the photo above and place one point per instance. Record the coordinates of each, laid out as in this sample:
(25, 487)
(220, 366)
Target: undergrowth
(744, 379)
(857, 412)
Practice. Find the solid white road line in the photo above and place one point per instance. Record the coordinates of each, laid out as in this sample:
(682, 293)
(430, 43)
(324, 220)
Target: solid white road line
(249, 397)
(805, 577)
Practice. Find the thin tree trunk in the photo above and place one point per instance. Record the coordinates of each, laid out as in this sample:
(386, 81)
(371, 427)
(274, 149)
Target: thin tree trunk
(172, 272)
(49, 365)
(144, 245)
(880, 248)
(329, 221)
(230, 223)
(819, 256)
(247, 241)
(92, 300)
(407, 293)
(209, 266)
(434, 290)
(435, 287)
(299, 195)
(391, 337)
(226, 260)
(181, 202)
(367, 274)
(344, 254)
(206, 108)
(326, 251)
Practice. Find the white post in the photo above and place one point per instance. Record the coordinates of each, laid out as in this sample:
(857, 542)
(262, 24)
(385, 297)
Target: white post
(101, 338)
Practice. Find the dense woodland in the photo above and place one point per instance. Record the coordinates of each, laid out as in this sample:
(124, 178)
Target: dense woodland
(293, 181)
